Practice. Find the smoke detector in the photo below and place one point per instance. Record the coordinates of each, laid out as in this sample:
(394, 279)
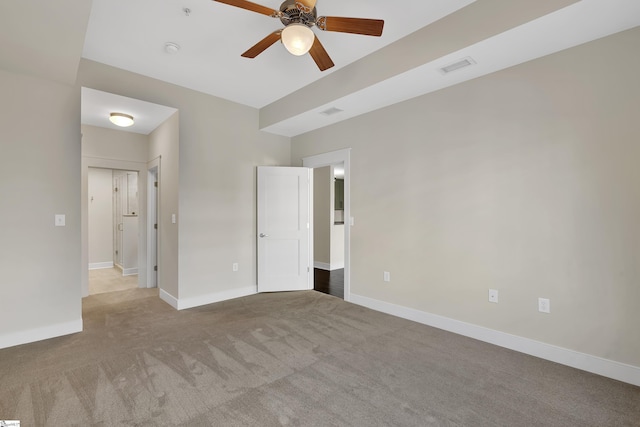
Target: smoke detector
(171, 48)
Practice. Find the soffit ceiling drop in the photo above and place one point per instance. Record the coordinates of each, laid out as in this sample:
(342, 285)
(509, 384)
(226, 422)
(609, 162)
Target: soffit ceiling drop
(419, 38)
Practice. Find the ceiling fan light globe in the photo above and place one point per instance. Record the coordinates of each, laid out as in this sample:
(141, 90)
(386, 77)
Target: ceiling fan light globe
(297, 38)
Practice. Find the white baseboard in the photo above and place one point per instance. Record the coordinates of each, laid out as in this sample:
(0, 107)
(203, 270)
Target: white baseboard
(322, 265)
(129, 271)
(168, 298)
(597, 365)
(39, 334)
(99, 265)
(336, 266)
(184, 303)
(328, 267)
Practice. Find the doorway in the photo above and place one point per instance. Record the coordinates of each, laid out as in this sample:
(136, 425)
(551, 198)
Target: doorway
(329, 277)
(113, 224)
(328, 229)
(139, 149)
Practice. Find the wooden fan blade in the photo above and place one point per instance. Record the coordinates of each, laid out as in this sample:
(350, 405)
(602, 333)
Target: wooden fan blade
(317, 52)
(262, 45)
(367, 27)
(244, 4)
(305, 6)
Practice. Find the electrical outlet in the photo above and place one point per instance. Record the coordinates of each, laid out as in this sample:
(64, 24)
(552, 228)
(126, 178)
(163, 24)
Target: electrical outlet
(493, 295)
(235, 266)
(60, 220)
(544, 305)
(386, 276)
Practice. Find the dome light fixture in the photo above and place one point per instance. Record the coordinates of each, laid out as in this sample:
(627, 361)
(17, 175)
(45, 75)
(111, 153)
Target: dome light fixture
(297, 38)
(121, 119)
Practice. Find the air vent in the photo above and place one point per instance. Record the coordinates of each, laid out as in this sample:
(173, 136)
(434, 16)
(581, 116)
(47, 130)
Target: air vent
(457, 65)
(331, 111)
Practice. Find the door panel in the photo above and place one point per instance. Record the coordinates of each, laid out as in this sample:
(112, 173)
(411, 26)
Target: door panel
(284, 229)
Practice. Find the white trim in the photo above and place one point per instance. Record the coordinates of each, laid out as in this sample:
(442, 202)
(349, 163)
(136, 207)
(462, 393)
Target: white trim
(168, 298)
(153, 214)
(100, 265)
(321, 265)
(185, 303)
(39, 334)
(336, 266)
(332, 158)
(597, 365)
(130, 271)
(329, 267)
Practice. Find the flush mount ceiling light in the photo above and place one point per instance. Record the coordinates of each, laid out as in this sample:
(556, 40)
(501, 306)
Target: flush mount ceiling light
(121, 119)
(297, 38)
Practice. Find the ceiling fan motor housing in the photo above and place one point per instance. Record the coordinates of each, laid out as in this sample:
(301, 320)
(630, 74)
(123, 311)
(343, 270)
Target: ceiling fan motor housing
(289, 14)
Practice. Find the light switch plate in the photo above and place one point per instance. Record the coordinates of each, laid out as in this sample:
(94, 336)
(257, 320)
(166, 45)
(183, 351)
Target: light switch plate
(544, 305)
(60, 220)
(493, 295)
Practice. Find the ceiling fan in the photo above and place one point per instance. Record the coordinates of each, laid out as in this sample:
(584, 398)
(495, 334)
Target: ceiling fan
(298, 16)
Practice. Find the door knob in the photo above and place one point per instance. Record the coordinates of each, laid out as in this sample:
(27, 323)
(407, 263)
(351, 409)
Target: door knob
(264, 235)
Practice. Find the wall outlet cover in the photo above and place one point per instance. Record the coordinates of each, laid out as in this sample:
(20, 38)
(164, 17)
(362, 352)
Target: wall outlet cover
(493, 295)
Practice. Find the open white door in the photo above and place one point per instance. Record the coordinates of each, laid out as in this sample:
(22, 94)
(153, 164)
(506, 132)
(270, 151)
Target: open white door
(284, 232)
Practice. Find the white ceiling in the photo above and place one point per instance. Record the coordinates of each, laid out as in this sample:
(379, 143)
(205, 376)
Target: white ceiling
(131, 35)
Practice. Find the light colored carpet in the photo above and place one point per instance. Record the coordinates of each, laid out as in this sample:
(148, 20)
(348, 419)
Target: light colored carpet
(295, 359)
(110, 280)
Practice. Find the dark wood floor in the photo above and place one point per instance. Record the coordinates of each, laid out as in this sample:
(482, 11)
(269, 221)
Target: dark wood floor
(329, 282)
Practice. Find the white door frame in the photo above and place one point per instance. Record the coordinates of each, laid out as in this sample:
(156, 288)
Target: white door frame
(153, 215)
(328, 159)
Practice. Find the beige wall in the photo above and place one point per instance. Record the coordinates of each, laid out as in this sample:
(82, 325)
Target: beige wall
(39, 177)
(322, 204)
(525, 181)
(114, 144)
(164, 145)
(220, 147)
